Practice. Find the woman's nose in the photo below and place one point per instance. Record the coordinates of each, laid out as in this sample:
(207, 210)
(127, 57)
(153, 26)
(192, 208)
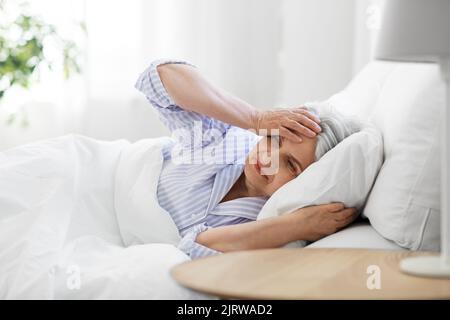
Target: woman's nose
(269, 166)
(265, 160)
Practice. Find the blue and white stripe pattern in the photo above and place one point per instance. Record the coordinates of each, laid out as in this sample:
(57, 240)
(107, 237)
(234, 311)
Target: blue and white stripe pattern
(191, 191)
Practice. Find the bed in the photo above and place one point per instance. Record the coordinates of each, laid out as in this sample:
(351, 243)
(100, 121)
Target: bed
(54, 250)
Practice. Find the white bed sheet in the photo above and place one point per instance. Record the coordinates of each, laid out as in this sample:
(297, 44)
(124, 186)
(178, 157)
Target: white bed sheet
(60, 237)
(358, 235)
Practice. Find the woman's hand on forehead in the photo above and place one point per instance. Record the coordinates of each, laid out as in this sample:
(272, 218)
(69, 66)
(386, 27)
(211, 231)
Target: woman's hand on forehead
(290, 123)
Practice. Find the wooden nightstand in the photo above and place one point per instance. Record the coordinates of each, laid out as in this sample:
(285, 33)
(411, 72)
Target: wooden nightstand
(309, 274)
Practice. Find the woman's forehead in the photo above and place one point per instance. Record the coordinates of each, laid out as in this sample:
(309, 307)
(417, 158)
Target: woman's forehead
(303, 151)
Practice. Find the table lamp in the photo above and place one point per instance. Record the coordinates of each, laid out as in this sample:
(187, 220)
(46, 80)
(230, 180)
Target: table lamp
(419, 31)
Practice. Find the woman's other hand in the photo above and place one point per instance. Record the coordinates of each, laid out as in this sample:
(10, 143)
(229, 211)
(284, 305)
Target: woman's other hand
(291, 123)
(316, 222)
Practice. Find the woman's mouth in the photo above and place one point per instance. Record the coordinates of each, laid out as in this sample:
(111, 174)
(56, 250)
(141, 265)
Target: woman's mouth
(258, 168)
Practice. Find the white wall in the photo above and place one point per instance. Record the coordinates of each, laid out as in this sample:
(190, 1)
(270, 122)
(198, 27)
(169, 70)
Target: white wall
(119, 35)
(317, 56)
(270, 53)
(234, 43)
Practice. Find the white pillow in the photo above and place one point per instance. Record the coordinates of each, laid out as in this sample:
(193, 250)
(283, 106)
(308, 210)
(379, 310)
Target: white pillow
(405, 102)
(344, 174)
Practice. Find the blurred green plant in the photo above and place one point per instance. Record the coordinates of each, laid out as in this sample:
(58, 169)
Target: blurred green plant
(22, 45)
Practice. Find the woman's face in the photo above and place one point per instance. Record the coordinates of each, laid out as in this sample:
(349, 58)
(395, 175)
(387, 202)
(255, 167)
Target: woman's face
(266, 171)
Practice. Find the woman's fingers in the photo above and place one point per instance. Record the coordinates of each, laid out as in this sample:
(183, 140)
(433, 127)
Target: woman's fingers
(299, 128)
(307, 122)
(350, 215)
(284, 132)
(344, 214)
(325, 219)
(344, 223)
(293, 125)
(305, 112)
(335, 207)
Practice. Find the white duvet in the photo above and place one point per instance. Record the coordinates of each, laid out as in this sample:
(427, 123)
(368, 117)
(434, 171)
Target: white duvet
(79, 219)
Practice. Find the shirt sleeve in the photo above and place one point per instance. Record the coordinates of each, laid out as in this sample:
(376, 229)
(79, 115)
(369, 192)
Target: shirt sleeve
(173, 116)
(193, 249)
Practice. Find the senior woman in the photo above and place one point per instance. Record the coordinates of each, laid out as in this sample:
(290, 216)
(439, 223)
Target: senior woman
(214, 204)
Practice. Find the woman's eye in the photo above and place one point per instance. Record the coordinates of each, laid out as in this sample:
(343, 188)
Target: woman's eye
(291, 166)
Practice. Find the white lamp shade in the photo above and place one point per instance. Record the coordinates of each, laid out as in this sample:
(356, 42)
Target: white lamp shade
(414, 30)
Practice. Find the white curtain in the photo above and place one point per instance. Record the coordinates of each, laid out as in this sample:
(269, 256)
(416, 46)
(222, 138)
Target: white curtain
(51, 107)
(271, 52)
(235, 44)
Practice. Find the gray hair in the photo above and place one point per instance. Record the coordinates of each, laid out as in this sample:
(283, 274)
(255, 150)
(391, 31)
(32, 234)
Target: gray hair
(335, 126)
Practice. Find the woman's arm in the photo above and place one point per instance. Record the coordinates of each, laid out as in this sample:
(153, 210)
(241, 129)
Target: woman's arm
(191, 91)
(310, 223)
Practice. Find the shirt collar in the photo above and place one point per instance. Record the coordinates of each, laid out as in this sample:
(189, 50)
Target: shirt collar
(223, 182)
